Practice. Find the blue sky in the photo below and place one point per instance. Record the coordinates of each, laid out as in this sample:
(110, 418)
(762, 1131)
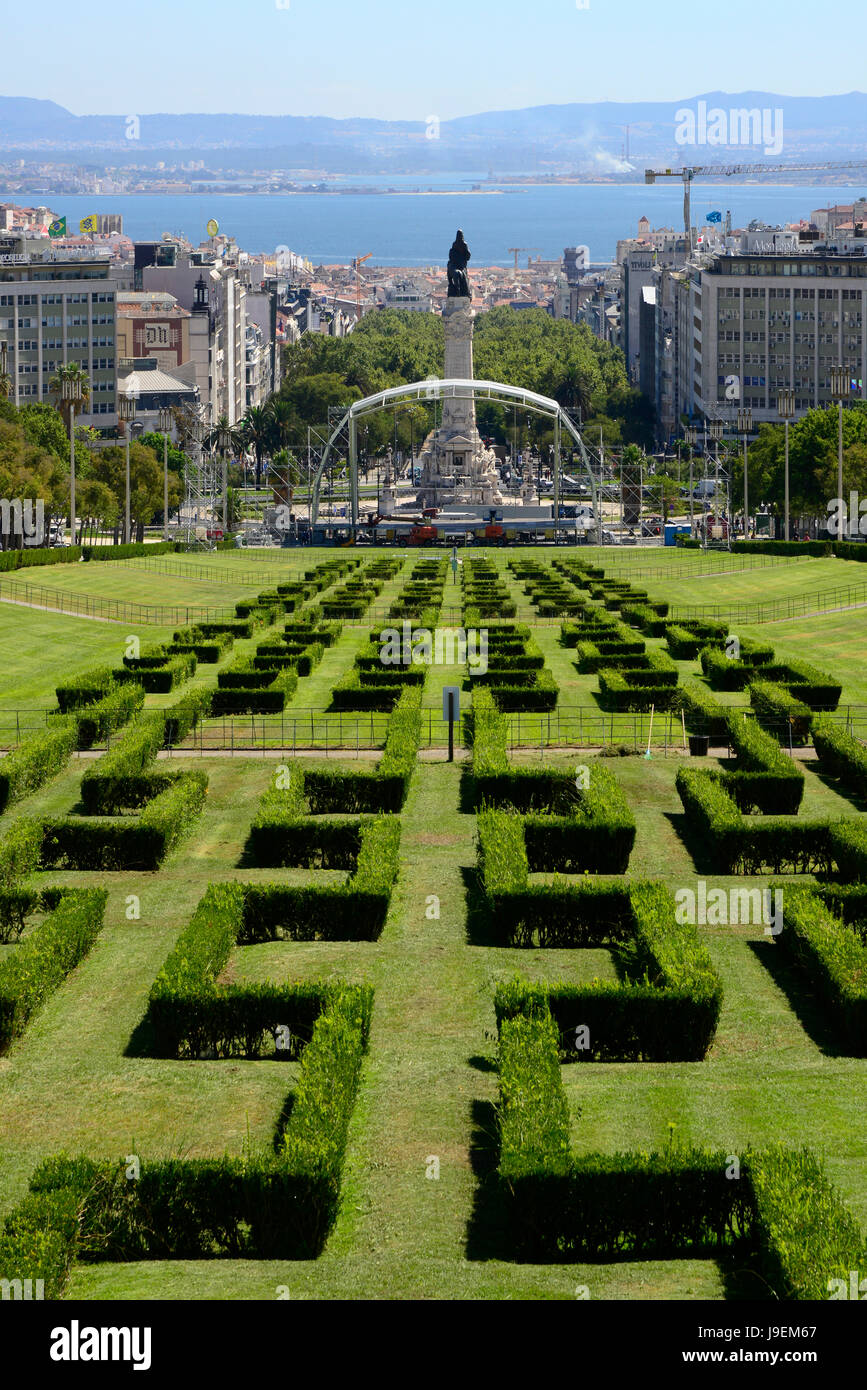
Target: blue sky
(408, 60)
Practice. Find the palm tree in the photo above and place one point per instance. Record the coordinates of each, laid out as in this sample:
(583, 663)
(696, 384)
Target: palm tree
(72, 372)
(258, 434)
(224, 438)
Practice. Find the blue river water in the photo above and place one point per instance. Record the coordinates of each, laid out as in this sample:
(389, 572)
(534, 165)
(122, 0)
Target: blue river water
(413, 228)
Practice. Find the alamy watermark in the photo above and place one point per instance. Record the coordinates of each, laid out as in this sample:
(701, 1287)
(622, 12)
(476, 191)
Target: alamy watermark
(23, 517)
(734, 907)
(847, 519)
(446, 646)
(739, 126)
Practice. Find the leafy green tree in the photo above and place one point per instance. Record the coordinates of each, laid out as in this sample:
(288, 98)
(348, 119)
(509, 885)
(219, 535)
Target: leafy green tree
(43, 426)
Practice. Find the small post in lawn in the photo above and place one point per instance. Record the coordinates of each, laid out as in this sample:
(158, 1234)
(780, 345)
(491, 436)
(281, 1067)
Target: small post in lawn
(451, 711)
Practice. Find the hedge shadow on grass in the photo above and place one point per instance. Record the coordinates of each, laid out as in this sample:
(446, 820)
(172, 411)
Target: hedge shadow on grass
(488, 1235)
(815, 1018)
(480, 929)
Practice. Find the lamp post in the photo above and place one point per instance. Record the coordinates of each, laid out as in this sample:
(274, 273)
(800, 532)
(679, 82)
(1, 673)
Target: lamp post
(840, 392)
(745, 425)
(126, 407)
(786, 409)
(691, 437)
(72, 391)
(165, 426)
(225, 444)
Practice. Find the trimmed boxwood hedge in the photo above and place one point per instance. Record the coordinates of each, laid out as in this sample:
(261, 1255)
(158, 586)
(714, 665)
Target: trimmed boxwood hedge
(840, 755)
(276, 1205)
(20, 850)
(666, 1007)
(780, 711)
(140, 842)
(733, 843)
(190, 1013)
(208, 650)
(37, 759)
(702, 713)
(185, 715)
(788, 1222)
(85, 689)
(96, 721)
(31, 972)
(247, 699)
(115, 783)
(766, 779)
(370, 789)
(834, 958)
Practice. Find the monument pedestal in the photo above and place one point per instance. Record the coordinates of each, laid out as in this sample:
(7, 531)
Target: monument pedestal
(455, 463)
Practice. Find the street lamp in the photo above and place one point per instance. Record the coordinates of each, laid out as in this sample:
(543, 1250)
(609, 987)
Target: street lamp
(745, 425)
(126, 408)
(840, 393)
(691, 434)
(786, 409)
(165, 426)
(72, 391)
(225, 443)
(715, 431)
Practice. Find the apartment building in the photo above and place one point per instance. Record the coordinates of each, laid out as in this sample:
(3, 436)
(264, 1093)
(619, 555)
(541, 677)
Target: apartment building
(213, 292)
(59, 307)
(756, 322)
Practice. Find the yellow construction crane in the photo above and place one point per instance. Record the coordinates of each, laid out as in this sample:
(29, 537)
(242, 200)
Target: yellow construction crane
(692, 171)
(516, 249)
(357, 264)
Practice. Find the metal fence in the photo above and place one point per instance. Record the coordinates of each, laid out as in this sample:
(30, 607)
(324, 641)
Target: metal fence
(109, 609)
(774, 610)
(568, 726)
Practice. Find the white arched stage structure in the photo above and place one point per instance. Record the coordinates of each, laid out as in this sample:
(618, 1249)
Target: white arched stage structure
(436, 389)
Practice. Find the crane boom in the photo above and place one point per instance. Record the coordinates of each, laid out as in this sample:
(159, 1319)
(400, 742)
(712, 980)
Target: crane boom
(691, 171)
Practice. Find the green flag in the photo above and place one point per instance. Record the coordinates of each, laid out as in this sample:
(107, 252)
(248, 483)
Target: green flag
(57, 227)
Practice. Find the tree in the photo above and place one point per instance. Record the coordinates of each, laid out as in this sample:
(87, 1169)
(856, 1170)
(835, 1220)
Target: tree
(70, 372)
(43, 426)
(146, 481)
(257, 433)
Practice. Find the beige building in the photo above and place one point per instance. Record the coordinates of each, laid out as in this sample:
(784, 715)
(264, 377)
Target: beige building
(153, 324)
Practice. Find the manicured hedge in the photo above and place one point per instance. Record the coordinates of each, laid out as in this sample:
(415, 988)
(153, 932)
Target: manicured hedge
(35, 761)
(130, 843)
(186, 714)
(85, 689)
(766, 780)
(208, 650)
(666, 1007)
(115, 783)
(158, 680)
(840, 755)
(638, 690)
(702, 713)
(20, 850)
(783, 1217)
(804, 1234)
(834, 958)
(779, 711)
(191, 1014)
(96, 721)
(248, 700)
(732, 843)
(274, 1205)
(350, 694)
(371, 789)
(31, 972)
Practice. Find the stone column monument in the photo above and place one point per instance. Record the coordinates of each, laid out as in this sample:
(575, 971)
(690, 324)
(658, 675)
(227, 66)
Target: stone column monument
(456, 466)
